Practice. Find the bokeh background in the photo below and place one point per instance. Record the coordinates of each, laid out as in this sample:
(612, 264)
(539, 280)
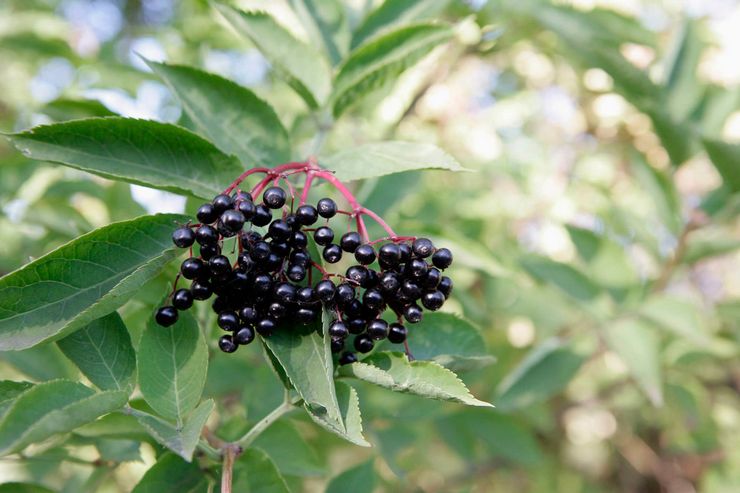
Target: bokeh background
(597, 235)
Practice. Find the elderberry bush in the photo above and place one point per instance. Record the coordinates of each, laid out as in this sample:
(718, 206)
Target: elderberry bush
(275, 284)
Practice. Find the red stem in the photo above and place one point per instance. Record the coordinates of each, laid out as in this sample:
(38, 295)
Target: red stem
(380, 221)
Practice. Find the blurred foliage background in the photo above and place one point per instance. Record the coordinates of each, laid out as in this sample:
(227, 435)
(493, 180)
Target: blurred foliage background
(597, 235)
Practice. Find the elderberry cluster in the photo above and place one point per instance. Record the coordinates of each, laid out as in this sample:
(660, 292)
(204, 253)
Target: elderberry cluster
(270, 285)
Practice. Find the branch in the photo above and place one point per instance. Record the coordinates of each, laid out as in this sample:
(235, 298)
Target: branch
(697, 220)
(265, 422)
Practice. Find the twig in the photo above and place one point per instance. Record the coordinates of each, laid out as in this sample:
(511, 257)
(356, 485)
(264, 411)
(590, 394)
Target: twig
(231, 452)
(265, 422)
(696, 221)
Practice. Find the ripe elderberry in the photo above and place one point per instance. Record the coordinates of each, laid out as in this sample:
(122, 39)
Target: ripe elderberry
(263, 277)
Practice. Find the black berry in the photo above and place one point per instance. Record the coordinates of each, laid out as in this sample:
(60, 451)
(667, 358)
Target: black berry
(397, 333)
(166, 316)
(227, 344)
(228, 321)
(347, 358)
(365, 254)
(193, 268)
(433, 300)
(206, 235)
(183, 237)
(442, 258)
(182, 299)
(244, 335)
(206, 214)
(350, 241)
(332, 254)
(363, 343)
(412, 314)
(326, 208)
(422, 247)
(262, 216)
(219, 265)
(222, 202)
(201, 290)
(338, 330)
(274, 197)
(390, 253)
(325, 290)
(306, 214)
(323, 235)
(233, 220)
(377, 329)
(445, 286)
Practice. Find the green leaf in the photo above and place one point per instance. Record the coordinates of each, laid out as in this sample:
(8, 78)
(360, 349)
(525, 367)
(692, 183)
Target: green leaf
(103, 352)
(384, 158)
(592, 44)
(450, 341)
(171, 474)
(661, 190)
(684, 89)
(24, 488)
(114, 425)
(9, 391)
(231, 116)
(543, 372)
(637, 345)
(53, 407)
(393, 12)
(118, 450)
(607, 261)
(563, 276)
(326, 23)
(726, 158)
(41, 363)
(500, 435)
(306, 358)
(83, 280)
(349, 408)
(292, 455)
(180, 439)
(173, 362)
(676, 315)
(424, 378)
(302, 67)
(254, 472)
(358, 479)
(701, 247)
(382, 60)
(149, 153)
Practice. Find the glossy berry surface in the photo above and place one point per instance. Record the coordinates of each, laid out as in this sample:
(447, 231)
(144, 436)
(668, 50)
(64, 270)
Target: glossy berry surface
(166, 316)
(350, 241)
(323, 235)
(365, 254)
(182, 299)
(332, 254)
(347, 358)
(306, 214)
(183, 237)
(274, 197)
(206, 214)
(257, 264)
(442, 258)
(227, 344)
(193, 268)
(363, 343)
(222, 202)
(326, 208)
(397, 333)
(244, 336)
